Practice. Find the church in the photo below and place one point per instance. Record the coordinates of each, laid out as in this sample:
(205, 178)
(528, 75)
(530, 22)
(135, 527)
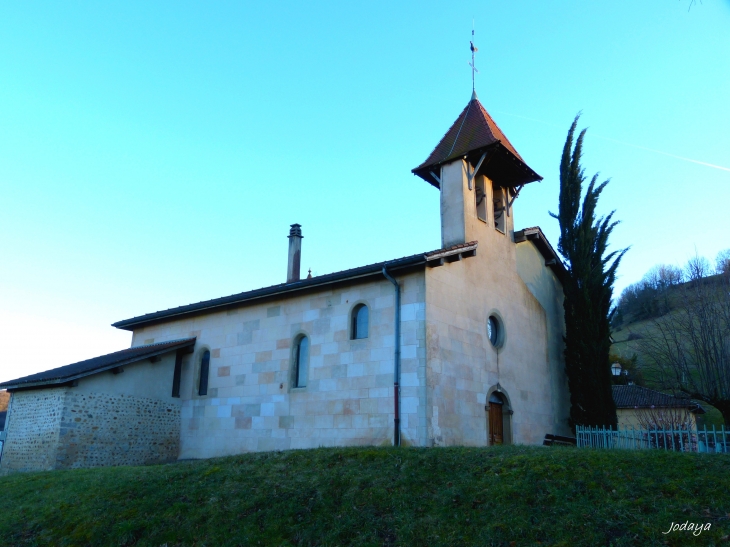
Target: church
(461, 345)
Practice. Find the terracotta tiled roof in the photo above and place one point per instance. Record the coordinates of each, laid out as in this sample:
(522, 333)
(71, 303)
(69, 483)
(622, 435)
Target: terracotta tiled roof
(642, 397)
(74, 371)
(473, 130)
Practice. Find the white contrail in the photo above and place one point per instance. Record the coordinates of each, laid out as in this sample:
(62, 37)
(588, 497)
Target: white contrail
(665, 153)
(624, 143)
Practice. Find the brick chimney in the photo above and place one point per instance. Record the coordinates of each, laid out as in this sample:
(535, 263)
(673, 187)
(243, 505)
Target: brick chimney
(295, 253)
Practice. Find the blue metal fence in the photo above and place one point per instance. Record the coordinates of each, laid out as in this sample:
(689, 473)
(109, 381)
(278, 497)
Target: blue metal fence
(680, 440)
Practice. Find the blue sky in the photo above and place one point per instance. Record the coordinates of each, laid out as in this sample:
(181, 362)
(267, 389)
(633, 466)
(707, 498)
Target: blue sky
(153, 155)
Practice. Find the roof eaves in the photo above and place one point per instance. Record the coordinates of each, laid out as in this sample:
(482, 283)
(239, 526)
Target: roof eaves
(552, 260)
(427, 170)
(461, 248)
(638, 397)
(274, 290)
(454, 156)
(168, 347)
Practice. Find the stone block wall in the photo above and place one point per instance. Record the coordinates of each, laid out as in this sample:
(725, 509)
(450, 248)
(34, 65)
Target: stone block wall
(252, 404)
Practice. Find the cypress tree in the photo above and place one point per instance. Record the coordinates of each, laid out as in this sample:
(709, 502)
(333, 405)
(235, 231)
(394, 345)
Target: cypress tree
(588, 289)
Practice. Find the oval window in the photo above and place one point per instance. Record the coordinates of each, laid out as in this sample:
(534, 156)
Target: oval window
(494, 330)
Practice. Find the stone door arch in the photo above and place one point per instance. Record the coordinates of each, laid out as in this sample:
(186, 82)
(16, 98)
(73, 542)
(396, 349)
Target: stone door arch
(499, 418)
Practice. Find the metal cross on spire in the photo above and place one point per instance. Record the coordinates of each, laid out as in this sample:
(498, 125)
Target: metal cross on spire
(472, 64)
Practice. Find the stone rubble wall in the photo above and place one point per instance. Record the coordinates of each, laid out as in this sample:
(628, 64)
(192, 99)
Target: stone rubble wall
(99, 429)
(63, 428)
(33, 427)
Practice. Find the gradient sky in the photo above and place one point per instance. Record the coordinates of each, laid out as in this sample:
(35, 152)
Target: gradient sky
(154, 154)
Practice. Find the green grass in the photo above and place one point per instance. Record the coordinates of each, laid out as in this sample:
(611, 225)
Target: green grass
(378, 496)
(626, 348)
(623, 347)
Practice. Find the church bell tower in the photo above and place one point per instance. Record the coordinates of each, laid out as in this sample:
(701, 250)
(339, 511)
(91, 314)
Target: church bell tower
(479, 174)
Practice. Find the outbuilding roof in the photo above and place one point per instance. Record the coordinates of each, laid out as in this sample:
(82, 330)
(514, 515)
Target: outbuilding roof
(634, 396)
(69, 373)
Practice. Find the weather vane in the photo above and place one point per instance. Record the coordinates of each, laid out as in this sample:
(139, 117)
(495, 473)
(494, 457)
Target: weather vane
(472, 64)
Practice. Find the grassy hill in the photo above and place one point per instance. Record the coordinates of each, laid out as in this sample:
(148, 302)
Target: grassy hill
(378, 496)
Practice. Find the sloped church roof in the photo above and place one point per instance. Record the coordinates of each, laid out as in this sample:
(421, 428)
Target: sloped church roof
(473, 134)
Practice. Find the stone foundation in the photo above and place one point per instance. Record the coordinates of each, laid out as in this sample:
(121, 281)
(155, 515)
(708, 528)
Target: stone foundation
(62, 428)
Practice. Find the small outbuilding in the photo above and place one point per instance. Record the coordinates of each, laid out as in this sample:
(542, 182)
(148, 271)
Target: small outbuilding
(645, 408)
(116, 409)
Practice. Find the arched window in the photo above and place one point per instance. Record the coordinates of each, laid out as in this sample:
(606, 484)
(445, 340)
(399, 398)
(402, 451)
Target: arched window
(204, 371)
(301, 362)
(360, 319)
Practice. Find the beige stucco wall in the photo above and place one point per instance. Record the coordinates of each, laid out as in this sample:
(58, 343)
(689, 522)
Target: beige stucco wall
(141, 379)
(463, 367)
(107, 419)
(251, 404)
(633, 417)
(548, 291)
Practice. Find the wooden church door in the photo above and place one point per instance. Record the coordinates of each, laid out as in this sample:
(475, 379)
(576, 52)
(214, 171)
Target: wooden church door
(496, 435)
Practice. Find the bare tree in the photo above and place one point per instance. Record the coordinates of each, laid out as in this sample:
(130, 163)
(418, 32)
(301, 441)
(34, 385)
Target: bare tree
(668, 427)
(665, 418)
(722, 262)
(663, 276)
(689, 347)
